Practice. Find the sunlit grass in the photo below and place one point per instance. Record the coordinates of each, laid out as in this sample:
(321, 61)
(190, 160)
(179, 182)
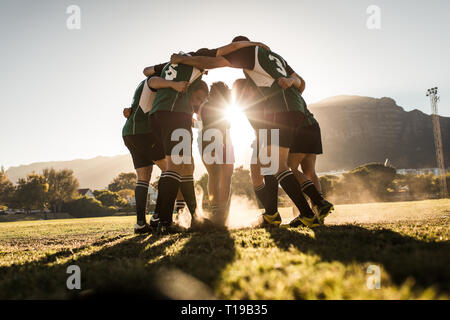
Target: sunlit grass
(326, 263)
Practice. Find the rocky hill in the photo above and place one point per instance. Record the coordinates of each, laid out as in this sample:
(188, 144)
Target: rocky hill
(358, 130)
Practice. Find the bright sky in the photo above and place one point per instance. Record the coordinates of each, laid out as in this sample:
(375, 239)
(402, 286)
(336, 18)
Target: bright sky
(62, 91)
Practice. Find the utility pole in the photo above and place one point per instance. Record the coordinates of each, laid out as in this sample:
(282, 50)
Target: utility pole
(434, 98)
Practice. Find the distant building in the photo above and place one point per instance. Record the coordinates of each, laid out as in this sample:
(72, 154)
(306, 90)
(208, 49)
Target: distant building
(434, 171)
(86, 193)
(151, 197)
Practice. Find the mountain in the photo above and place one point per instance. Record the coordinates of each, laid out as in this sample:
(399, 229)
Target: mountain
(355, 130)
(94, 173)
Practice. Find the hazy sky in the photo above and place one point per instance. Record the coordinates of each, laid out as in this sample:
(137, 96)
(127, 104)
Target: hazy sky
(62, 91)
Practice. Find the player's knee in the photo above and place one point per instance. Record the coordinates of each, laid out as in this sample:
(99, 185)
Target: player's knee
(144, 174)
(311, 174)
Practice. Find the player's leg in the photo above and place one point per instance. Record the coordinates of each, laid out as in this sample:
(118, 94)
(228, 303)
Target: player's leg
(213, 189)
(226, 173)
(187, 188)
(227, 176)
(265, 187)
(163, 123)
(309, 142)
(307, 185)
(308, 165)
(284, 121)
(142, 159)
(294, 161)
(141, 192)
(178, 175)
(180, 203)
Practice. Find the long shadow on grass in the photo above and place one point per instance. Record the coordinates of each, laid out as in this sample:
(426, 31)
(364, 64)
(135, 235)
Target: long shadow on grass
(126, 268)
(401, 256)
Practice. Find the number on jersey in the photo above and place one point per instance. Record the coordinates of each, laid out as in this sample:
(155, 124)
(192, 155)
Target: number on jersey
(280, 66)
(171, 72)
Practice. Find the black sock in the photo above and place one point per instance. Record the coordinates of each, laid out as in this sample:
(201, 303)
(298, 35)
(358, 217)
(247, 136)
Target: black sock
(271, 190)
(179, 205)
(188, 191)
(261, 196)
(159, 197)
(292, 188)
(140, 194)
(168, 188)
(310, 190)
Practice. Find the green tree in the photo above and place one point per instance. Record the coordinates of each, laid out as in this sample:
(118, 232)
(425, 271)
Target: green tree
(63, 187)
(32, 192)
(420, 185)
(242, 184)
(6, 189)
(368, 182)
(126, 194)
(109, 198)
(87, 207)
(123, 181)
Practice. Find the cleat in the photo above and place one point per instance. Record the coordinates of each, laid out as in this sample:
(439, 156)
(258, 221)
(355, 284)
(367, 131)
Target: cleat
(323, 210)
(301, 221)
(268, 221)
(164, 228)
(154, 220)
(146, 228)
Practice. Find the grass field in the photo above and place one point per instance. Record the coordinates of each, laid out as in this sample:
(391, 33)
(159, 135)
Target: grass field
(409, 241)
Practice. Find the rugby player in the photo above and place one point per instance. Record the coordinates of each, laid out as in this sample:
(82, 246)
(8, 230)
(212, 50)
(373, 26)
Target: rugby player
(219, 166)
(171, 111)
(252, 104)
(278, 83)
(145, 150)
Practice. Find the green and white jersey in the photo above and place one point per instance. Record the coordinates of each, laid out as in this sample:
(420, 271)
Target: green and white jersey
(137, 123)
(268, 67)
(168, 99)
(263, 68)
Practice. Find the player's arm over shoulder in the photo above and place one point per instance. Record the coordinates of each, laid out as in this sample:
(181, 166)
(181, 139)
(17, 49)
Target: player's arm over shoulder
(299, 82)
(156, 83)
(153, 70)
(234, 46)
(200, 62)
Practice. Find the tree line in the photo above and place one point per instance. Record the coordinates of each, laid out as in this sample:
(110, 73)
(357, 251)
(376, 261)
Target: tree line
(57, 191)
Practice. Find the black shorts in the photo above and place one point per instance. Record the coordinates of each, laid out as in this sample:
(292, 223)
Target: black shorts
(144, 149)
(286, 123)
(307, 140)
(164, 123)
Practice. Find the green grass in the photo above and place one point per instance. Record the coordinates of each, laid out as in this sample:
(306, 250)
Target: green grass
(325, 263)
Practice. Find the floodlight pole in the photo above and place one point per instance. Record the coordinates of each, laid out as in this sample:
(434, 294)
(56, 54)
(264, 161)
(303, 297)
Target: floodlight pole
(434, 99)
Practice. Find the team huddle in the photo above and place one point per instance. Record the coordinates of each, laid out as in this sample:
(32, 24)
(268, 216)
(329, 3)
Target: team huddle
(159, 128)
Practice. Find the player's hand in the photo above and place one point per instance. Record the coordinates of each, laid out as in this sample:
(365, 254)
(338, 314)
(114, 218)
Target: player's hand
(180, 86)
(176, 58)
(127, 112)
(285, 83)
(262, 45)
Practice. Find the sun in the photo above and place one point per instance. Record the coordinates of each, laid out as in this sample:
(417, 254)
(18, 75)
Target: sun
(242, 134)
